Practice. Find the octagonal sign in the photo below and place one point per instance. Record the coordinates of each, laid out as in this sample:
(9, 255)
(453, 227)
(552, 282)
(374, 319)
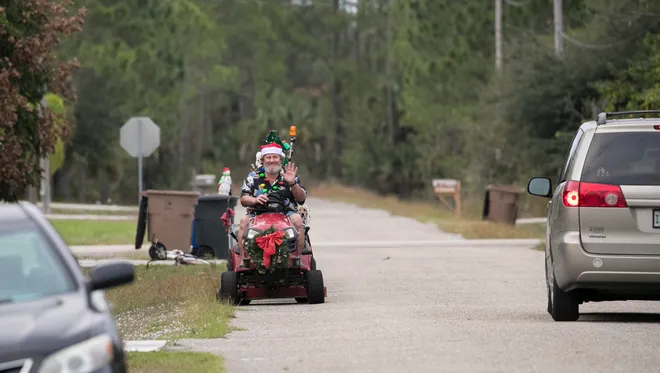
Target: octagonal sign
(139, 134)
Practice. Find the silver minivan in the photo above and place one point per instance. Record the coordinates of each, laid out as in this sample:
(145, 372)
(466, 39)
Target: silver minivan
(603, 231)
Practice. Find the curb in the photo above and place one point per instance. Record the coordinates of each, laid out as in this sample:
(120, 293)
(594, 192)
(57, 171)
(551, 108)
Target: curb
(88, 263)
(144, 346)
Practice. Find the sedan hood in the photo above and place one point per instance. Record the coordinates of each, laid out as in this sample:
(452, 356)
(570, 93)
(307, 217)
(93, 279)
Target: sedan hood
(40, 327)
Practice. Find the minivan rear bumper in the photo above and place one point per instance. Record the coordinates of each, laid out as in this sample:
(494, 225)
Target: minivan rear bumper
(576, 268)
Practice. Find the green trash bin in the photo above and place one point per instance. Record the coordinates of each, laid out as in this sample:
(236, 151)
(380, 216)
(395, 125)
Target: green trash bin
(210, 234)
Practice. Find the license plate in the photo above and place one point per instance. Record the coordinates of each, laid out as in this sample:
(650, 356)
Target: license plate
(656, 218)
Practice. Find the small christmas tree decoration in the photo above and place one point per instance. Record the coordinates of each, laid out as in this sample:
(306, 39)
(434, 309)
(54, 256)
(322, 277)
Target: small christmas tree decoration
(274, 138)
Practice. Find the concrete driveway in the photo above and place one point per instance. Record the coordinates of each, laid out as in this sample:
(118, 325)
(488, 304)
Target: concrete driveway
(447, 305)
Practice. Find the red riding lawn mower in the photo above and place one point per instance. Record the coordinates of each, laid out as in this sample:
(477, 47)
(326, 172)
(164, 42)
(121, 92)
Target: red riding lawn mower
(270, 266)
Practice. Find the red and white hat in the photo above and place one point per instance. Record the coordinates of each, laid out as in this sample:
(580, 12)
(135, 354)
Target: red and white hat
(271, 148)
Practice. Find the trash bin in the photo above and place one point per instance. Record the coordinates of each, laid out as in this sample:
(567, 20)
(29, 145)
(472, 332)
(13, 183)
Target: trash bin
(501, 203)
(210, 235)
(169, 217)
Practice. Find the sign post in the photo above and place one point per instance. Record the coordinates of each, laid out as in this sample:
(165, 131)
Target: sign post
(448, 187)
(140, 137)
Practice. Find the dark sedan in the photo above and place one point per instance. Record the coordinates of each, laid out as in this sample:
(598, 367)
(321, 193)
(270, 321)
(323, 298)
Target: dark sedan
(52, 318)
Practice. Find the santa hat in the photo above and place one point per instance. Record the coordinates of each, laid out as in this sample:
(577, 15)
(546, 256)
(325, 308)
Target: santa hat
(272, 148)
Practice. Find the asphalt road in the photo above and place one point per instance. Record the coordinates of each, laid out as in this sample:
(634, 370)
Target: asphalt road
(436, 308)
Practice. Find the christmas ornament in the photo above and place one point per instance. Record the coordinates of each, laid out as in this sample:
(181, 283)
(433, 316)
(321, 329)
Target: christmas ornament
(224, 185)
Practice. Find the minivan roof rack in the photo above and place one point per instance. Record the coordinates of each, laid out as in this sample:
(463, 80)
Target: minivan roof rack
(602, 117)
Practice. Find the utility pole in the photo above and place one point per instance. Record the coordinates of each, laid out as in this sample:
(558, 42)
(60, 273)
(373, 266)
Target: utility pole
(498, 35)
(45, 184)
(388, 74)
(44, 164)
(559, 28)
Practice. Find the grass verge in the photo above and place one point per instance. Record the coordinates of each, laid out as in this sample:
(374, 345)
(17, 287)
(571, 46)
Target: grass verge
(127, 255)
(93, 212)
(469, 225)
(174, 362)
(171, 302)
(96, 232)
(540, 246)
(476, 229)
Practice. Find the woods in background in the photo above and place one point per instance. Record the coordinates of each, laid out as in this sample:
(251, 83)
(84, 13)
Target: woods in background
(386, 94)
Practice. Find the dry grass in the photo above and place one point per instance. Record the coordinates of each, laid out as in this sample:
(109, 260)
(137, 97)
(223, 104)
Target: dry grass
(413, 209)
(540, 246)
(174, 362)
(476, 229)
(470, 225)
(171, 302)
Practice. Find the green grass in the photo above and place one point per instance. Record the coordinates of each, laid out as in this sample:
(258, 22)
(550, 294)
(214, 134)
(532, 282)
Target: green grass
(92, 212)
(171, 302)
(174, 362)
(96, 232)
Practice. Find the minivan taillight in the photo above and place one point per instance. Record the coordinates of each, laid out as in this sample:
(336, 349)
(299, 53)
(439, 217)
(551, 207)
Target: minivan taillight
(582, 194)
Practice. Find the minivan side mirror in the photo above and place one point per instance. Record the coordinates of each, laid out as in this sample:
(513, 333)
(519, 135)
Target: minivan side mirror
(540, 186)
(109, 275)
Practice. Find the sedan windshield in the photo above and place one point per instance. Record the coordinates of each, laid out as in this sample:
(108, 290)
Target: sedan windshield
(29, 267)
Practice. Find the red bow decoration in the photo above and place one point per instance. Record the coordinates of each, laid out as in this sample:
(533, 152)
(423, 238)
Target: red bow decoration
(226, 218)
(268, 244)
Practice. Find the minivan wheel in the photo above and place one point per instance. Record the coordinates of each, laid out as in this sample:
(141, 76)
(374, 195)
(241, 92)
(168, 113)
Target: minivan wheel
(564, 305)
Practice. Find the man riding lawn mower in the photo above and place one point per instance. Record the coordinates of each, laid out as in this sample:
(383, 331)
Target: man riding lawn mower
(273, 256)
(255, 189)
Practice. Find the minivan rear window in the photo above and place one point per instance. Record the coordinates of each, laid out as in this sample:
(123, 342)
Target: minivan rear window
(623, 158)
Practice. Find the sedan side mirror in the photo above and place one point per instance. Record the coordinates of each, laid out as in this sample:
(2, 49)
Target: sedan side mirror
(540, 186)
(109, 275)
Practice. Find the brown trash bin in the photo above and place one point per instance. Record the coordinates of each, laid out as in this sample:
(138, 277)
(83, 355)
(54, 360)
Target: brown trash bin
(170, 217)
(501, 203)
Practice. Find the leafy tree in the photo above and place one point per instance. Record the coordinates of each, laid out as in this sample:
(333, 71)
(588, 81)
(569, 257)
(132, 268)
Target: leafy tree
(387, 96)
(56, 105)
(30, 31)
